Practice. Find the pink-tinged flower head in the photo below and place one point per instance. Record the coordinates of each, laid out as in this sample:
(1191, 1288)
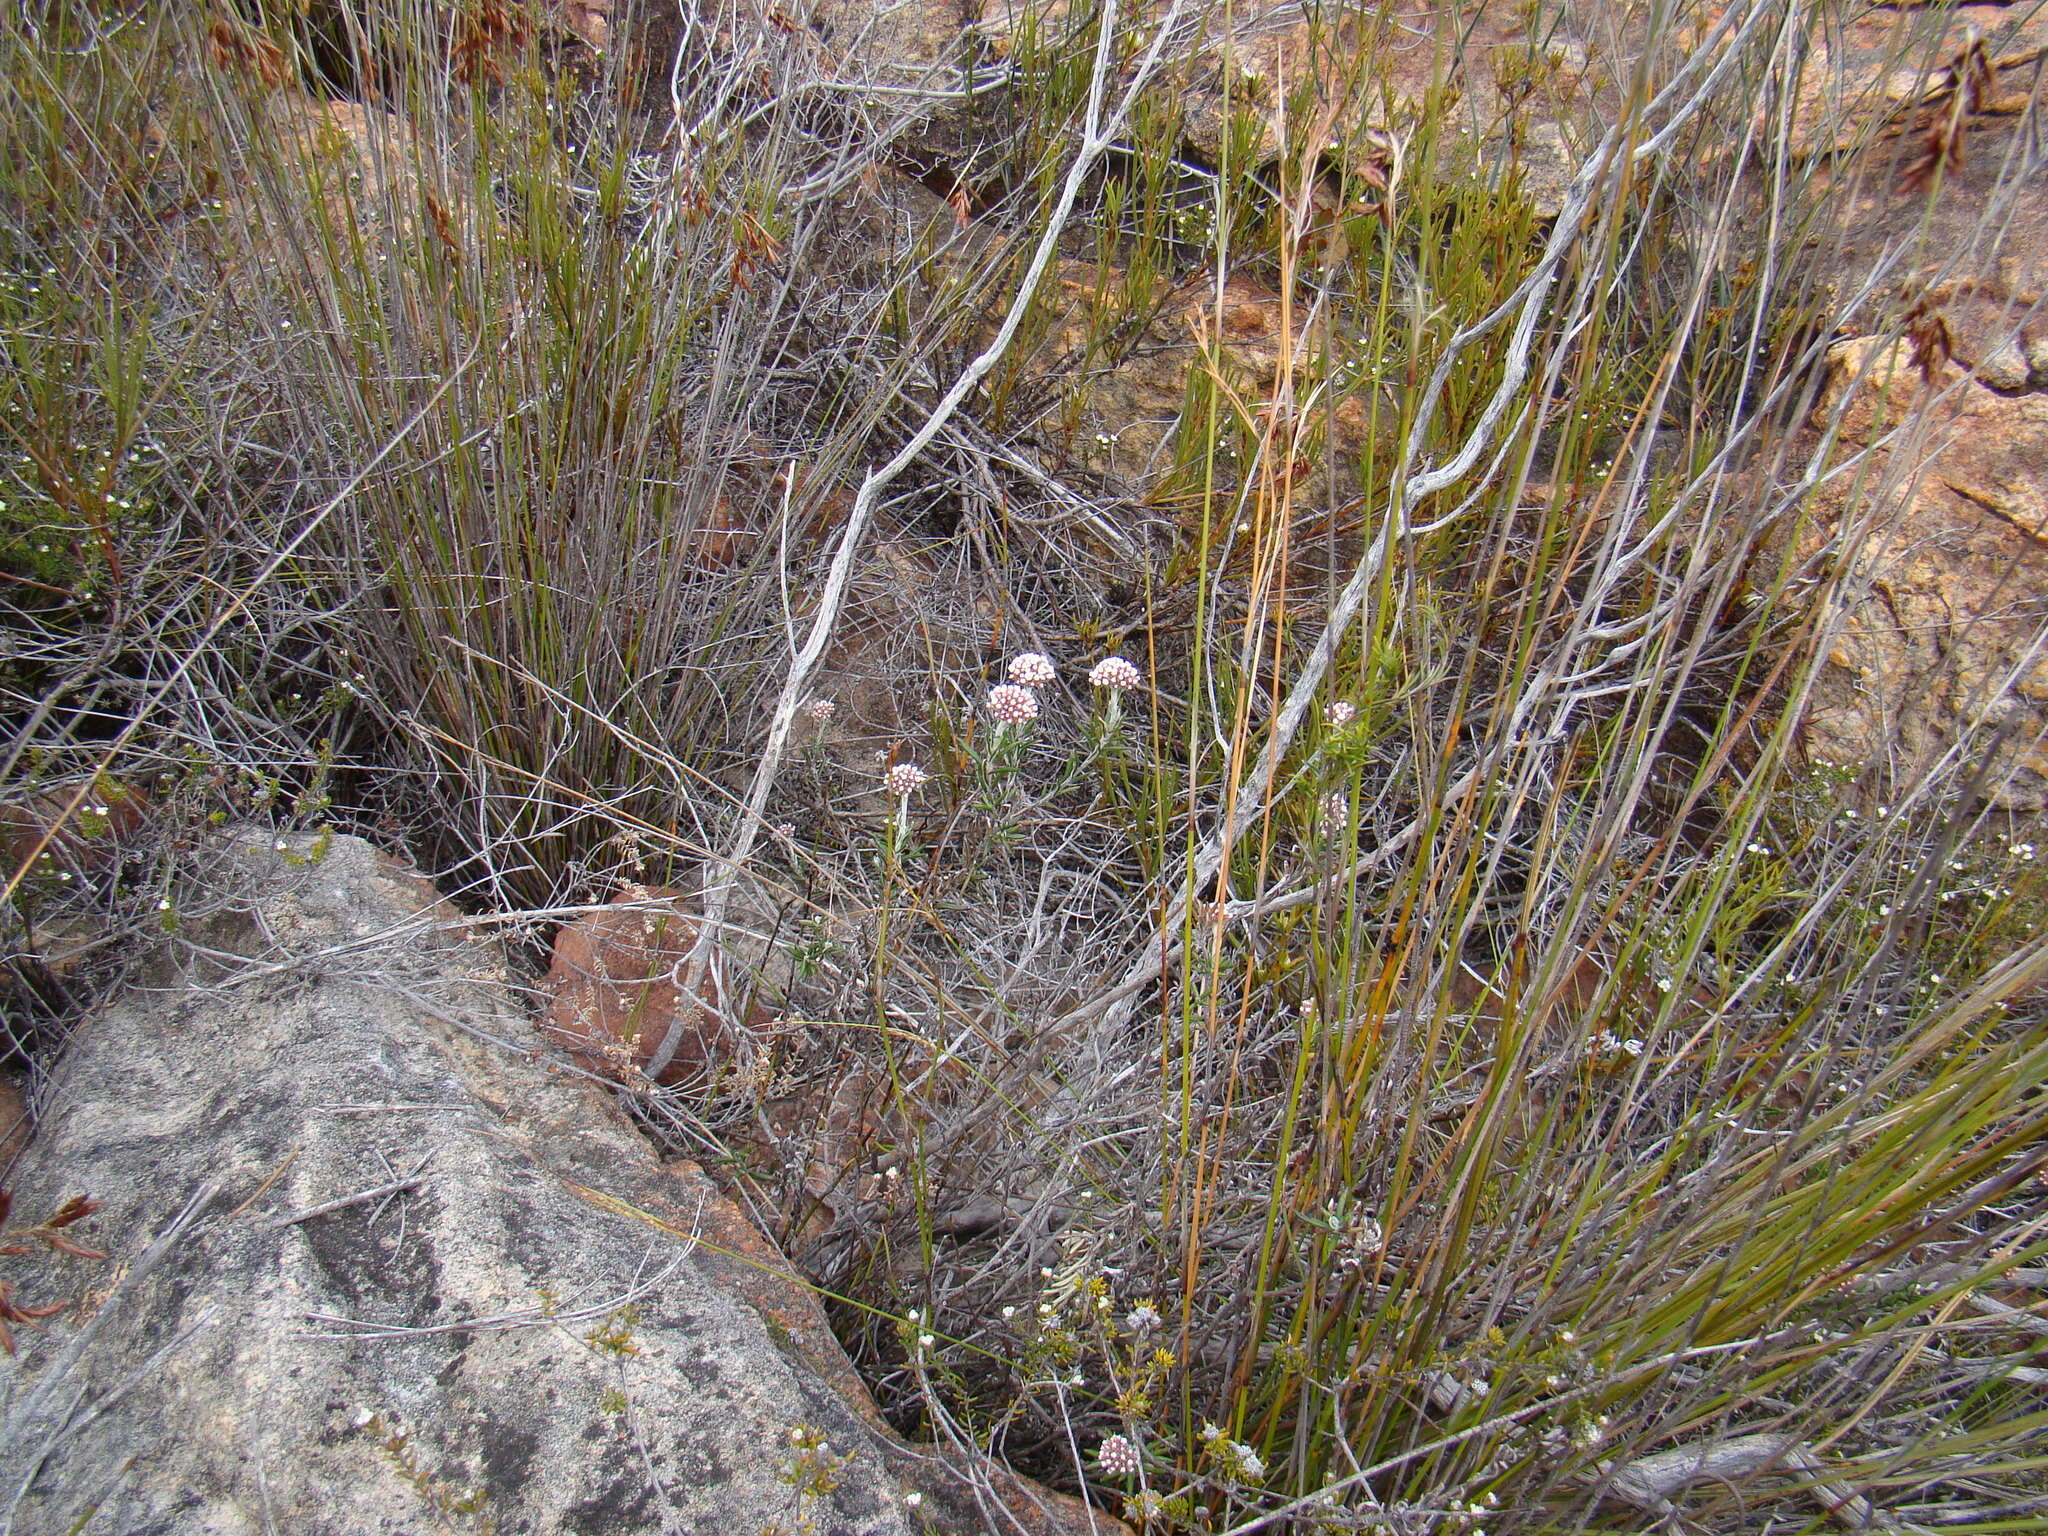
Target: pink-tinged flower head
(1340, 714)
(1115, 672)
(904, 780)
(820, 710)
(1117, 1457)
(1012, 705)
(1031, 669)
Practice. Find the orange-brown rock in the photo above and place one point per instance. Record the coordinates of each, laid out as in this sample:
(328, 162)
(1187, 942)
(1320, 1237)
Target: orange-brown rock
(1868, 73)
(1943, 628)
(70, 829)
(620, 977)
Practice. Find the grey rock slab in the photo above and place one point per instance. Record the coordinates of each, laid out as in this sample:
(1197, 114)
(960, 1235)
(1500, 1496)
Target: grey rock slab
(526, 1338)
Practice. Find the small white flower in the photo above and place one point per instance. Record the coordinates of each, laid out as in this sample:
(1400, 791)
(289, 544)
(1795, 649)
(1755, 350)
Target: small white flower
(913, 1499)
(1114, 672)
(1031, 669)
(1012, 705)
(1340, 714)
(820, 710)
(1142, 1318)
(1663, 983)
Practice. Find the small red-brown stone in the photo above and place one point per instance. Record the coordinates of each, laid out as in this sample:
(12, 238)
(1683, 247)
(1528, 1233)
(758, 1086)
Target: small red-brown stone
(619, 979)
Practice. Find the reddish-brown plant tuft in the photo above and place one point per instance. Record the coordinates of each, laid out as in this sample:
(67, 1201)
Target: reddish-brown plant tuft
(247, 52)
(1932, 341)
(1972, 78)
(487, 33)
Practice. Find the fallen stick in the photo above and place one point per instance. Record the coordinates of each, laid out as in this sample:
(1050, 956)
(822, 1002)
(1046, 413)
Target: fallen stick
(360, 1197)
(1650, 1482)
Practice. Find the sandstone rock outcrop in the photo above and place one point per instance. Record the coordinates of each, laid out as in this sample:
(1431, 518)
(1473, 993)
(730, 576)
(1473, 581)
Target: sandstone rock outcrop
(1941, 630)
(1944, 627)
(373, 1266)
(1868, 71)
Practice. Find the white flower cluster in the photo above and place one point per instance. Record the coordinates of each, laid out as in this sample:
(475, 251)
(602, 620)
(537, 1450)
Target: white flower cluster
(1012, 704)
(1031, 669)
(904, 780)
(1114, 672)
(1117, 1457)
(1016, 701)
